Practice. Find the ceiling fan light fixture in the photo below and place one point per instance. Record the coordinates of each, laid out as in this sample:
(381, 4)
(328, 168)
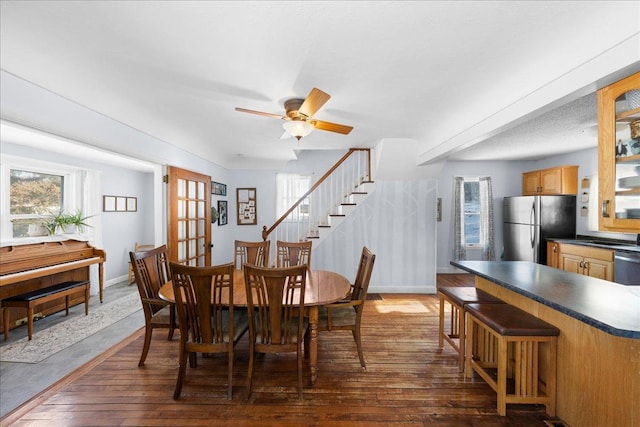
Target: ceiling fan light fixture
(297, 128)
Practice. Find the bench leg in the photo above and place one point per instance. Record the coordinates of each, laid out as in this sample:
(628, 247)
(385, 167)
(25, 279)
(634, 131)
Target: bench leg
(502, 377)
(441, 325)
(66, 305)
(86, 300)
(5, 322)
(30, 322)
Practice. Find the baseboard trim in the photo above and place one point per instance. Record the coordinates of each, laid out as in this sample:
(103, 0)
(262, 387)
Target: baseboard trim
(429, 289)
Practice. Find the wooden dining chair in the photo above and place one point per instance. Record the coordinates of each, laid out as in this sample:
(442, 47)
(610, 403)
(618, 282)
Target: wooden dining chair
(151, 270)
(293, 253)
(276, 296)
(347, 314)
(207, 325)
(137, 247)
(254, 253)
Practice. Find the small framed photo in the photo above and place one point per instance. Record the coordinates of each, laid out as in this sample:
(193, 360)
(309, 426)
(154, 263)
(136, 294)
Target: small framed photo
(108, 203)
(132, 204)
(121, 204)
(218, 189)
(222, 212)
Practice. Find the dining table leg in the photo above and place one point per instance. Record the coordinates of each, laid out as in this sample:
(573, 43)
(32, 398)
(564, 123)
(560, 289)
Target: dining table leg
(313, 343)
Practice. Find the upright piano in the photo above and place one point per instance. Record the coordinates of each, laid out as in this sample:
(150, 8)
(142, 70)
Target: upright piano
(29, 267)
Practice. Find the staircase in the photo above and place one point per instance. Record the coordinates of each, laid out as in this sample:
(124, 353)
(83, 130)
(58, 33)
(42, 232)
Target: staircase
(328, 202)
(342, 210)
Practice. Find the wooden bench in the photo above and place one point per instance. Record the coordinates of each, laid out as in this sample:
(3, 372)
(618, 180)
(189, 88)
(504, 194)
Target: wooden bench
(458, 297)
(508, 343)
(33, 299)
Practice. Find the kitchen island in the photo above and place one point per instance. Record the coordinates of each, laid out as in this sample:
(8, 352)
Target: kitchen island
(598, 355)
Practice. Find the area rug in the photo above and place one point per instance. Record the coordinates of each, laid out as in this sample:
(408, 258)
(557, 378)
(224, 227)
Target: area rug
(64, 334)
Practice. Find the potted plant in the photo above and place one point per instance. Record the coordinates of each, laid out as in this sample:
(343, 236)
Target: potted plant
(67, 223)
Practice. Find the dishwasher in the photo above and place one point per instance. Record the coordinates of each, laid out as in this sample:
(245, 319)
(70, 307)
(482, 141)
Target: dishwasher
(626, 268)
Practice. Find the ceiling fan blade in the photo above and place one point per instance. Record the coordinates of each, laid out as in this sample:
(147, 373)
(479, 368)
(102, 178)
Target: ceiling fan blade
(331, 127)
(315, 100)
(261, 113)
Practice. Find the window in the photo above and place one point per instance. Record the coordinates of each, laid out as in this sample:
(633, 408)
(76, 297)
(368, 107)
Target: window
(471, 213)
(31, 191)
(473, 219)
(289, 189)
(32, 196)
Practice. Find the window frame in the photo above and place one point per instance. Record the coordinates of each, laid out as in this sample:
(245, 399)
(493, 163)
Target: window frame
(70, 191)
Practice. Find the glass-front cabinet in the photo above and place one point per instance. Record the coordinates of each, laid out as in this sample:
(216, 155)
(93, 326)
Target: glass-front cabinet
(619, 155)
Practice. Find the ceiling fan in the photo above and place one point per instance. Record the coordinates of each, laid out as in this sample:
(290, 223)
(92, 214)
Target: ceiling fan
(299, 121)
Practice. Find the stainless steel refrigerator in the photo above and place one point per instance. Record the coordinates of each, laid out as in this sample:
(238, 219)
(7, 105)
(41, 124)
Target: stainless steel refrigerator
(529, 221)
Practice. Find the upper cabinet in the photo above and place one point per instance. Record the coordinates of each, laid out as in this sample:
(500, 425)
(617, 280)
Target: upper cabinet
(619, 155)
(558, 180)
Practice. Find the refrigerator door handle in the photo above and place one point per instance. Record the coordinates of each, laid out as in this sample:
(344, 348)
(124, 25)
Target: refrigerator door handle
(532, 226)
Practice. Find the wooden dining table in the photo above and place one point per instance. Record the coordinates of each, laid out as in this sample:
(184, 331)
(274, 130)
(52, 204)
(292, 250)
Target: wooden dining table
(322, 287)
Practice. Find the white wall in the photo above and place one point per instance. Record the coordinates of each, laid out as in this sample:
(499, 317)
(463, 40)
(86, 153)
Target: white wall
(120, 230)
(506, 180)
(397, 223)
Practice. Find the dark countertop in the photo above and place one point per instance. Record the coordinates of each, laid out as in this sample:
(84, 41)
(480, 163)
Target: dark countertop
(614, 245)
(608, 306)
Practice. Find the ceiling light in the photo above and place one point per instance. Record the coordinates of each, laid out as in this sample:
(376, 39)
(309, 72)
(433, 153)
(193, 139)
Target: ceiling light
(297, 128)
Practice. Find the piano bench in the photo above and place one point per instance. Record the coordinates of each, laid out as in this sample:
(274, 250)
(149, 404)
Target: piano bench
(40, 296)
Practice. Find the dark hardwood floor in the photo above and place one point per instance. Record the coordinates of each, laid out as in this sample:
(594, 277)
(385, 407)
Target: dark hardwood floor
(408, 381)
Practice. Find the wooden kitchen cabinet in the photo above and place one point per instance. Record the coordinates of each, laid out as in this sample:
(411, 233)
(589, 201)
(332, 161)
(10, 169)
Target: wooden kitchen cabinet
(553, 254)
(557, 180)
(619, 156)
(585, 260)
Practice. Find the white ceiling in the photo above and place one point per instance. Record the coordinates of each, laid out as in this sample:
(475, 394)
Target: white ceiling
(466, 80)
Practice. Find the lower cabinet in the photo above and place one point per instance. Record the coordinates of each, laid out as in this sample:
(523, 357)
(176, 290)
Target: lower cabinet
(588, 261)
(553, 254)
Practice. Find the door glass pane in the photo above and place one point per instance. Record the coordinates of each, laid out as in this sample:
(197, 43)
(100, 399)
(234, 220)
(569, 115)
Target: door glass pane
(192, 190)
(201, 225)
(192, 229)
(182, 255)
(192, 209)
(201, 187)
(181, 188)
(192, 247)
(201, 208)
(182, 230)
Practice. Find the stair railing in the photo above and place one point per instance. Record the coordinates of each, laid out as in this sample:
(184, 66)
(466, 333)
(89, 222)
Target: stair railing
(324, 197)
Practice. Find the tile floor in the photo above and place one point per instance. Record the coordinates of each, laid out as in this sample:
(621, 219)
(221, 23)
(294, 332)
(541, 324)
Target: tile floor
(19, 382)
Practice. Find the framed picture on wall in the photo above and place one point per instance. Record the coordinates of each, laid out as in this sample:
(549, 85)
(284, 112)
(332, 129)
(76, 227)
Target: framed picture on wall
(222, 212)
(247, 209)
(218, 189)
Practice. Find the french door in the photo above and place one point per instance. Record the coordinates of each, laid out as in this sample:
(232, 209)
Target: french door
(189, 216)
